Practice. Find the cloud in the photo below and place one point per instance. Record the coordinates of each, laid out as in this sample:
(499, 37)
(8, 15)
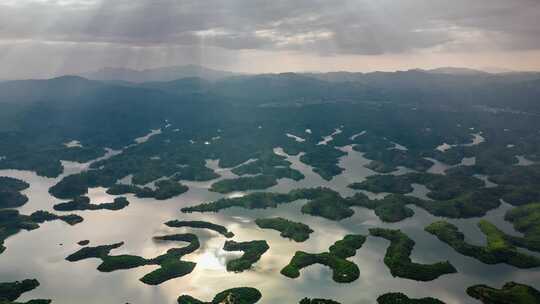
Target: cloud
(335, 27)
(221, 29)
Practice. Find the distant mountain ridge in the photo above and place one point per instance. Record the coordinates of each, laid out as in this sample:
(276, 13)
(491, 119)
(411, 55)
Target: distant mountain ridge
(161, 74)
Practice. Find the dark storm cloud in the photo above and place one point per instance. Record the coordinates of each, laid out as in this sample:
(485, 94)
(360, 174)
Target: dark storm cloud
(324, 27)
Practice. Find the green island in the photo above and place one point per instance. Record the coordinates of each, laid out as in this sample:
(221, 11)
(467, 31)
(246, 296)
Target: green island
(329, 204)
(82, 203)
(399, 262)
(257, 200)
(201, 224)
(474, 203)
(257, 182)
(10, 192)
(322, 202)
(510, 293)
(521, 195)
(11, 291)
(253, 251)
(269, 163)
(498, 249)
(76, 185)
(384, 183)
(317, 301)
(392, 208)
(442, 187)
(324, 160)
(11, 222)
(400, 298)
(240, 295)
(526, 219)
(326, 203)
(386, 161)
(165, 189)
(298, 232)
(171, 265)
(344, 271)
(83, 242)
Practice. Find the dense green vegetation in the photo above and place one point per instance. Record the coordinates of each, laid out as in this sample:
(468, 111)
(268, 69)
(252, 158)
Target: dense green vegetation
(344, 271)
(292, 230)
(10, 192)
(384, 183)
(322, 202)
(498, 249)
(257, 182)
(83, 203)
(269, 163)
(443, 187)
(201, 224)
(9, 292)
(324, 159)
(165, 189)
(526, 219)
(398, 259)
(257, 200)
(391, 208)
(240, 295)
(11, 222)
(171, 265)
(475, 203)
(400, 298)
(253, 251)
(510, 293)
(328, 204)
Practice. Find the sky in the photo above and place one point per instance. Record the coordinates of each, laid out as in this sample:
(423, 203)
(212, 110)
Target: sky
(45, 38)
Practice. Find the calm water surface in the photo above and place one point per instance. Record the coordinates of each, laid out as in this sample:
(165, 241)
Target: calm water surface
(41, 253)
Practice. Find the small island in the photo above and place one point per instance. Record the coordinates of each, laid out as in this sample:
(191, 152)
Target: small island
(82, 203)
(526, 219)
(11, 291)
(398, 259)
(392, 208)
(269, 163)
(442, 187)
(384, 183)
(344, 271)
(257, 182)
(11, 222)
(10, 192)
(498, 249)
(400, 298)
(83, 242)
(241, 295)
(171, 265)
(165, 189)
(322, 202)
(253, 251)
(328, 204)
(201, 224)
(510, 293)
(292, 230)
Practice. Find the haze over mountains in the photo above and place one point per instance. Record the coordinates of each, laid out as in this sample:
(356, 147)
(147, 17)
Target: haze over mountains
(157, 74)
(438, 87)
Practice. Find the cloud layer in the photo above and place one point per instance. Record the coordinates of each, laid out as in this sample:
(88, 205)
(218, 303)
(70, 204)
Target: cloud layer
(312, 28)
